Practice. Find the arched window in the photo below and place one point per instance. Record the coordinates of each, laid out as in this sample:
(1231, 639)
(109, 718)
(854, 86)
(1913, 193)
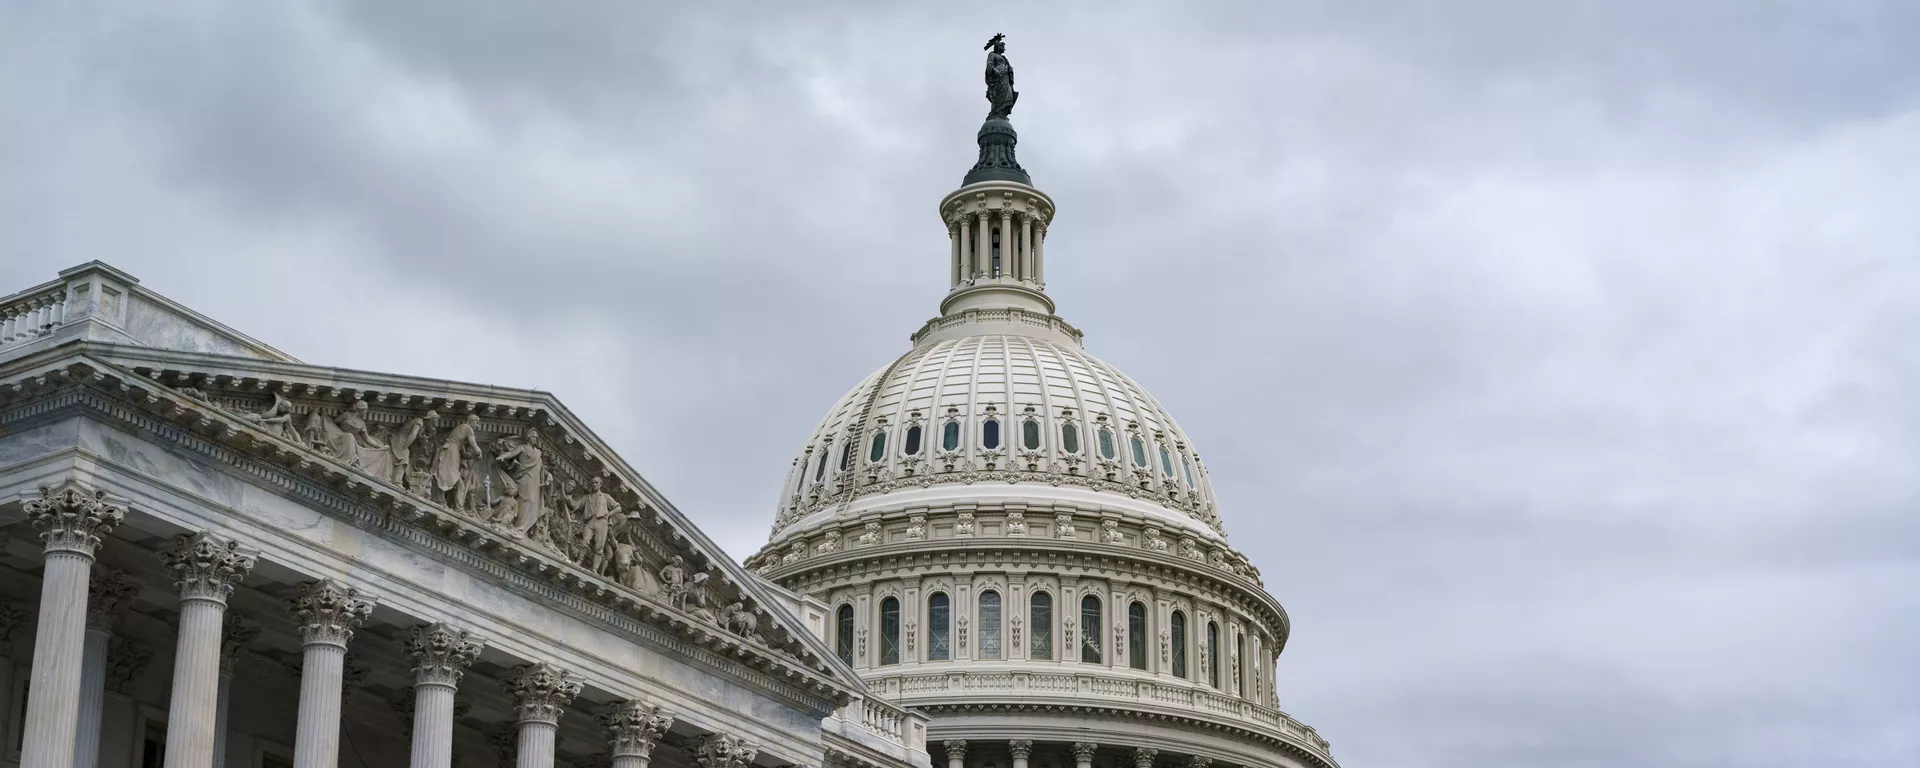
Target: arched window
(1030, 434)
(1040, 619)
(843, 634)
(939, 648)
(950, 436)
(1137, 635)
(879, 449)
(846, 454)
(989, 624)
(1069, 438)
(1186, 467)
(990, 434)
(1139, 452)
(1166, 463)
(890, 630)
(820, 465)
(1213, 654)
(912, 447)
(1240, 652)
(1177, 626)
(996, 251)
(1090, 629)
(1106, 444)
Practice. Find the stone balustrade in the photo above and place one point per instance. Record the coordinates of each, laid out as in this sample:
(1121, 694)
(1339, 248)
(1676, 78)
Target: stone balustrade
(883, 727)
(33, 313)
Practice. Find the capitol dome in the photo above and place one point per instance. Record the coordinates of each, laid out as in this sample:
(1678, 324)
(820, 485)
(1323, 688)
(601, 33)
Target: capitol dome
(1004, 532)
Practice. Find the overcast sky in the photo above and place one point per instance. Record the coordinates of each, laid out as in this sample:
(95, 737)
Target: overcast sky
(1556, 361)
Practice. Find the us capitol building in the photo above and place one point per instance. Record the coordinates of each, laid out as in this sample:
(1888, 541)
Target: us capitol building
(994, 552)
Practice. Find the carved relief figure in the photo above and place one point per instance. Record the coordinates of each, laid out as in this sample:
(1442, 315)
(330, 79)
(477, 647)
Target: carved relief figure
(738, 620)
(596, 509)
(277, 419)
(346, 437)
(528, 470)
(673, 581)
(699, 595)
(400, 445)
(453, 465)
(627, 565)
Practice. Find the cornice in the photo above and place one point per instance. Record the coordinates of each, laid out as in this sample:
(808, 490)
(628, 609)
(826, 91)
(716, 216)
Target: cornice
(1317, 757)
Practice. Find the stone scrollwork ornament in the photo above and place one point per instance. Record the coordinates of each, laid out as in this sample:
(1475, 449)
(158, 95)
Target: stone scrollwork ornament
(720, 750)
(441, 653)
(205, 566)
(327, 611)
(71, 518)
(633, 728)
(541, 692)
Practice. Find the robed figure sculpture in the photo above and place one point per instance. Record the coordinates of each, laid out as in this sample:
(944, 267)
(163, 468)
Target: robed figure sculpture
(1000, 91)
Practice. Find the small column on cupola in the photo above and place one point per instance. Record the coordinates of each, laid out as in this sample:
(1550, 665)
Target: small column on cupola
(997, 220)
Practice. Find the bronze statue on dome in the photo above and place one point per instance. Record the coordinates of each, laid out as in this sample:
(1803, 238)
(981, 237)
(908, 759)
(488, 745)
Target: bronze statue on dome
(1000, 91)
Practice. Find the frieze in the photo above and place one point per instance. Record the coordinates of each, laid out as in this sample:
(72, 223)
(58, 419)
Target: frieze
(415, 522)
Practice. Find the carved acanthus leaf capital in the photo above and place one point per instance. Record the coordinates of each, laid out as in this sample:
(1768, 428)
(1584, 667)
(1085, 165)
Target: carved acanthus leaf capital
(633, 727)
(1200, 761)
(956, 749)
(1143, 757)
(205, 566)
(11, 617)
(328, 611)
(126, 659)
(109, 594)
(721, 750)
(235, 636)
(441, 653)
(1083, 750)
(72, 518)
(1020, 749)
(541, 692)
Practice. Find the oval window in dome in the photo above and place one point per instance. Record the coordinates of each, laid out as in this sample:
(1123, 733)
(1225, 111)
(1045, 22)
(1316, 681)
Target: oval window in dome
(1107, 450)
(1166, 462)
(1069, 438)
(912, 446)
(990, 434)
(950, 436)
(879, 450)
(1139, 452)
(1030, 435)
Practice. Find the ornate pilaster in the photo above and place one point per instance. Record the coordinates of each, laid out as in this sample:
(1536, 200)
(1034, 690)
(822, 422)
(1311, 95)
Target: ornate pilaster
(720, 750)
(632, 728)
(956, 752)
(126, 659)
(325, 612)
(541, 692)
(504, 738)
(205, 567)
(1083, 753)
(11, 618)
(1020, 750)
(234, 637)
(109, 594)
(71, 519)
(440, 655)
(1143, 757)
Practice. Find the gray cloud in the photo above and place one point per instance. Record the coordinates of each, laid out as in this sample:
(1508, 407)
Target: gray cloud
(1551, 358)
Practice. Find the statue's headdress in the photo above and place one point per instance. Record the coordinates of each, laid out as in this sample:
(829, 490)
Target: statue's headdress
(996, 38)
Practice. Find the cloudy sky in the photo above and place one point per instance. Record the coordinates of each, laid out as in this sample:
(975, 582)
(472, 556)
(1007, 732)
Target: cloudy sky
(1554, 360)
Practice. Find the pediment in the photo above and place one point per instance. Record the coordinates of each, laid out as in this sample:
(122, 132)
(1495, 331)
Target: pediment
(507, 473)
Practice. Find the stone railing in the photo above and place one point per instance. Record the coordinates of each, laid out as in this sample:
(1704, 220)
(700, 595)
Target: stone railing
(883, 727)
(32, 314)
(1104, 689)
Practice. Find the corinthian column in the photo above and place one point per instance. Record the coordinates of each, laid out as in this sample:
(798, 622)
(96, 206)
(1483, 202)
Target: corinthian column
(1020, 749)
(440, 657)
(1083, 753)
(632, 728)
(71, 520)
(108, 595)
(1143, 757)
(719, 750)
(540, 693)
(956, 753)
(205, 567)
(233, 637)
(327, 612)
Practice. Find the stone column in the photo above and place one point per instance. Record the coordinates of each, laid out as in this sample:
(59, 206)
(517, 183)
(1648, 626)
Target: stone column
(1083, 753)
(205, 567)
(983, 246)
(1143, 757)
(632, 728)
(1009, 255)
(719, 750)
(440, 657)
(540, 693)
(1040, 253)
(1200, 761)
(234, 637)
(1026, 247)
(956, 752)
(326, 612)
(1020, 749)
(71, 519)
(109, 594)
(958, 252)
(11, 618)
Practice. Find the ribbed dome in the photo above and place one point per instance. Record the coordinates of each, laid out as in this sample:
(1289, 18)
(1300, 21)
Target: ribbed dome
(997, 416)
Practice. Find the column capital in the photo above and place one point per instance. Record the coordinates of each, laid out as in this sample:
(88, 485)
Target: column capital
(504, 738)
(1143, 757)
(1200, 761)
(956, 748)
(109, 594)
(721, 750)
(1083, 750)
(11, 618)
(1021, 749)
(71, 518)
(235, 636)
(126, 659)
(205, 566)
(328, 611)
(541, 692)
(441, 653)
(633, 727)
